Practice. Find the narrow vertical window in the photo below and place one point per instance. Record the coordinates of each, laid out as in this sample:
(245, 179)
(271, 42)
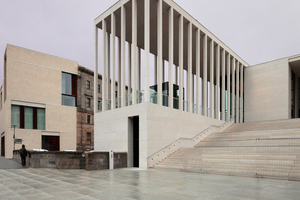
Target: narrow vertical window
(88, 102)
(88, 85)
(88, 119)
(99, 105)
(28, 118)
(69, 89)
(98, 88)
(88, 138)
(15, 116)
(41, 119)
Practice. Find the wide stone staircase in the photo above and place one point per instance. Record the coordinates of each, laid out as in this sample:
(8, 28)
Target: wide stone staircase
(260, 149)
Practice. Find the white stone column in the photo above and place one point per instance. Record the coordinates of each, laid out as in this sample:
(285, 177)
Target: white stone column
(211, 68)
(228, 86)
(147, 49)
(176, 75)
(123, 37)
(171, 53)
(108, 67)
(296, 96)
(129, 73)
(119, 72)
(218, 82)
(242, 94)
(204, 84)
(190, 78)
(223, 85)
(104, 83)
(134, 53)
(113, 60)
(237, 111)
(159, 52)
(155, 70)
(180, 62)
(198, 71)
(233, 89)
(139, 71)
(96, 71)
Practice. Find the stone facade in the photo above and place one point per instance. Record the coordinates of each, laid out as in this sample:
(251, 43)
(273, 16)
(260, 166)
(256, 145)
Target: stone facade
(85, 110)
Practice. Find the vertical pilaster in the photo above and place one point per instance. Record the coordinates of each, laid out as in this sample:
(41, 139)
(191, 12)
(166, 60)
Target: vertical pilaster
(204, 84)
(171, 64)
(123, 35)
(104, 83)
(190, 78)
(159, 52)
(96, 71)
(228, 86)
(237, 109)
(113, 60)
(233, 89)
(211, 68)
(198, 71)
(180, 62)
(218, 81)
(134, 53)
(242, 94)
(147, 49)
(223, 86)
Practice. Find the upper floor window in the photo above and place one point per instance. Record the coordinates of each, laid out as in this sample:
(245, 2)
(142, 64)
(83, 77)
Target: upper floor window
(88, 102)
(88, 138)
(27, 117)
(69, 89)
(88, 119)
(98, 88)
(88, 85)
(99, 106)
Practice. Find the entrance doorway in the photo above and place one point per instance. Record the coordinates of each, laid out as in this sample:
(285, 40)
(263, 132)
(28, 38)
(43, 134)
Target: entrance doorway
(3, 146)
(51, 143)
(136, 141)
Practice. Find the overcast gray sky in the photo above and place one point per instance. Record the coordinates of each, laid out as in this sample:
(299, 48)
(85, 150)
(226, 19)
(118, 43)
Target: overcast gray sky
(257, 30)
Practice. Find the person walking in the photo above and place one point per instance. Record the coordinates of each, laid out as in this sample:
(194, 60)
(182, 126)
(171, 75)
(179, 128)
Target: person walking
(23, 154)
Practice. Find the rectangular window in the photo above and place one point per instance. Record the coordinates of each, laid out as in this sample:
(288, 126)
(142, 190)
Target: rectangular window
(41, 119)
(88, 85)
(88, 138)
(88, 102)
(116, 93)
(15, 116)
(69, 89)
(88, 119)
(99, 88)
(27, 117)
(99, 105)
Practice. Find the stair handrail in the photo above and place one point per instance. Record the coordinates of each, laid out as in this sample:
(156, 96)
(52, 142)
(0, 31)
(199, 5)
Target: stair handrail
(189, 142)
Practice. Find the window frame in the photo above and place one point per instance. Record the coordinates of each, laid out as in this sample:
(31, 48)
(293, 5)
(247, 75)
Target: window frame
(88, 119)
(88, 102)
(73, 89)
(88, 84)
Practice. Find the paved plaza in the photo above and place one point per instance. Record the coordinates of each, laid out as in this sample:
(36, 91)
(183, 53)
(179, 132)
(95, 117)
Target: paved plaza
(131, 183)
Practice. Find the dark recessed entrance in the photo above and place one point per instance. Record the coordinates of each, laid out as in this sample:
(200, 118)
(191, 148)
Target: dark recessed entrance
(3, 146)
(136, 141)
(51, 143)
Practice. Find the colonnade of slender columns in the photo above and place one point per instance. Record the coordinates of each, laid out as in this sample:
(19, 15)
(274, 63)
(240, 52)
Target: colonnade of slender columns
(209, 55)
